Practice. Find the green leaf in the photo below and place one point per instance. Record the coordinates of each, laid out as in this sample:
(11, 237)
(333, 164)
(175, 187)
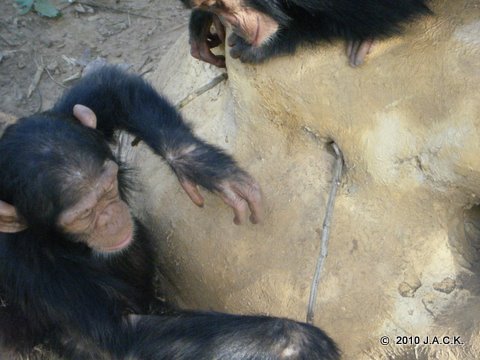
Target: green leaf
(24, 3)
(43, 7)
(25, 6)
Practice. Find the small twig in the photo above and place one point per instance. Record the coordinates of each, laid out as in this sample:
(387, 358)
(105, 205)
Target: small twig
(75, 76)
(147, 60)
(112, 9)
(190, 97)
(14, 33)
(55, 81)
(6, 53)
(175, 28)
(36, 79)
(145, 72)
(6, 41)
(325, 234)
(425, 305)
(40, 100)
(69, 60)
(67, 5)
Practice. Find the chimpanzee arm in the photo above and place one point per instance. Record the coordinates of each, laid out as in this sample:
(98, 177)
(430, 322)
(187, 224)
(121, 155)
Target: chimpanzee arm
(125, 101)
(205, 336)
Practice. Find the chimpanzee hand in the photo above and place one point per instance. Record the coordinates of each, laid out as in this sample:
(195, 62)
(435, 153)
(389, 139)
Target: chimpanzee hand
(358, 50)
(197, 163)
(247, 53)
(202, 40)
(241, 192)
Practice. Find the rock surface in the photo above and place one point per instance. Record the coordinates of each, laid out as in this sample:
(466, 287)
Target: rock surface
(408, 123)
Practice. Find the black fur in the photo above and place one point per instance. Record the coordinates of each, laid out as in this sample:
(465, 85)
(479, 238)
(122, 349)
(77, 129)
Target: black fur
(133, 105)
(58, 292)
(308, 22)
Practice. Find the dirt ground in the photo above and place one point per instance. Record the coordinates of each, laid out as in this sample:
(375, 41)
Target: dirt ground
(133, 32)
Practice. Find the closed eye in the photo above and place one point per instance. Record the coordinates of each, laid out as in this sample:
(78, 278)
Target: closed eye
(85, 214)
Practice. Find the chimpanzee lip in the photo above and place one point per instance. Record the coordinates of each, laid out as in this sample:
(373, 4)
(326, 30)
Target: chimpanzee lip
(257, 33)
(123, 244)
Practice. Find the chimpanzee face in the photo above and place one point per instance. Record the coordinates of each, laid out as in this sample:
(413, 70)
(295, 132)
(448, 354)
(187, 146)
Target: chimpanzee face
(254, 26)
(68, 181)
(100, 219)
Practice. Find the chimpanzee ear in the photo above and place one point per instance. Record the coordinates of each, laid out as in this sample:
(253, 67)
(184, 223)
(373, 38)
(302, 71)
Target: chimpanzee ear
(10, 222)
(85, 115)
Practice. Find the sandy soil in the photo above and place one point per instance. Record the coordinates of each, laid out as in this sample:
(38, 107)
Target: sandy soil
(134, 32)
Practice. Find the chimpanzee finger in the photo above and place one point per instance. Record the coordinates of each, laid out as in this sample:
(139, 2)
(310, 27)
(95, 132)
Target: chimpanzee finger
(238, 204)
(235, 52)
(363, 50)
(213, 41)
(255, 203)
(251, 192)
(352, 49)
(219, 28)
(239, 47)
(240, 211)
(232, 39)
(350, 45)
(201, 51)
(192, 191)
(208, 56)
(194, 50)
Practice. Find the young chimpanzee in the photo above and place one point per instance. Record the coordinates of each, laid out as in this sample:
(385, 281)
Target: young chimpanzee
(76, 268)
(262, 29)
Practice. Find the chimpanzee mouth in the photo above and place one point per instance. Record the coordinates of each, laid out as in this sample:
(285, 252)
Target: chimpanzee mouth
(122, 245)
(255, 41)
(251, 36)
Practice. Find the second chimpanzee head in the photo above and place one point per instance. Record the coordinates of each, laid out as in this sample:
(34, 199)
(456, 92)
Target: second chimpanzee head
(60, 176)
